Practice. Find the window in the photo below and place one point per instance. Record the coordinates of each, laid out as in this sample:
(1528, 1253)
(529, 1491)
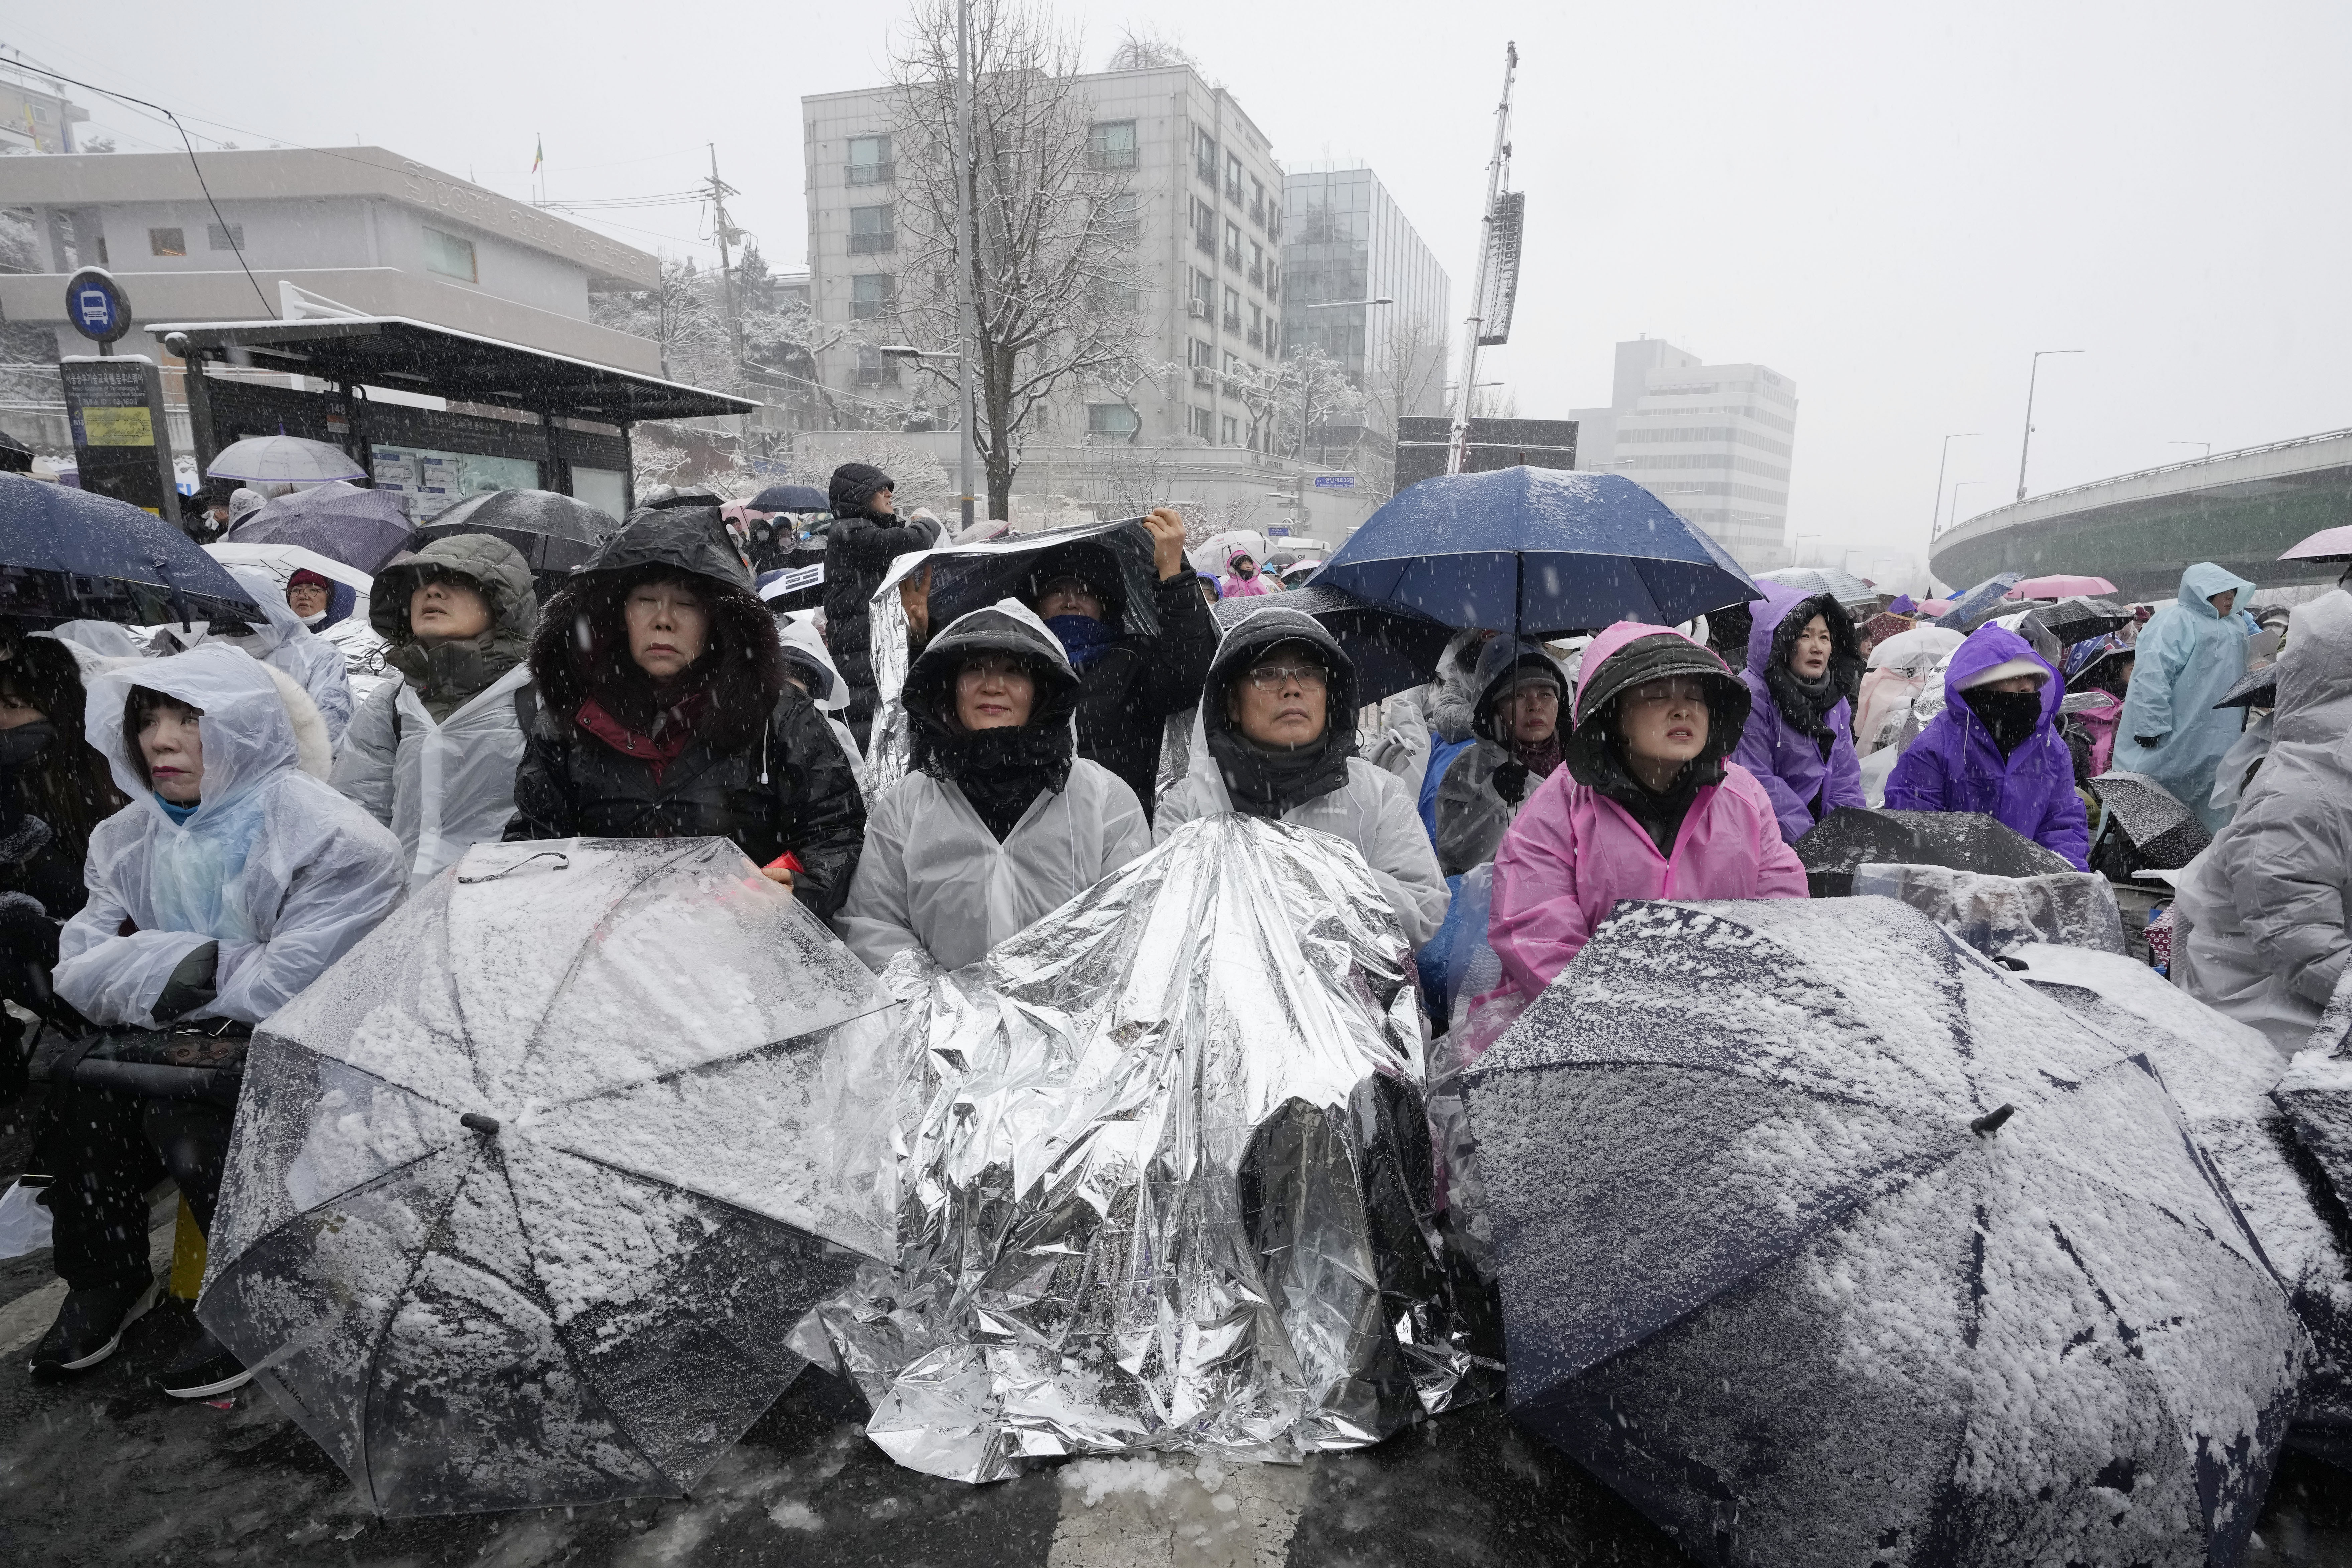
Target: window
(1110, 145)
(1258, 264)
(1204, 290)
(1232, 179)
(1203, 424)
(872, 294)
(1273, 217)
(230, 237)
(1233, 310)
(1273, 280)
(167, 242)
(1233, 242)
(1199, 355)
(1204, 157)
(869, 161)
(1120, 220)
(1231, 428)
(1258, 202)
(873, 370)
(1257, 327)
(1233, 363)
(1204, 227)
(449, 256)
(1112, 420)
(870, 230)
(1114, 296)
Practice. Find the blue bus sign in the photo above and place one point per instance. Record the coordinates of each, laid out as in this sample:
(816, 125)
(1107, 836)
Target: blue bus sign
(96, 306)
(1335, 481)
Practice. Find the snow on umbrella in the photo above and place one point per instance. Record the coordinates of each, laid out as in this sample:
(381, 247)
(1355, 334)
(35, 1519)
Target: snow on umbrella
(282, 460)
(2078, 620)
(2165, 834)
(76, 555)
(527, 1192)
(1538, 552)
(1853, 836)
(1822, 1239)
(2061, 585)
(1392, 649)
(1969, 610)
(2255, 688)
(555, 533)
(1843, 586)
(363, 529)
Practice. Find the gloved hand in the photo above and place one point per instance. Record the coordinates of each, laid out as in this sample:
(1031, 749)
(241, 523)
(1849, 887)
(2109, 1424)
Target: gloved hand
(191, 985)
(2150, 741)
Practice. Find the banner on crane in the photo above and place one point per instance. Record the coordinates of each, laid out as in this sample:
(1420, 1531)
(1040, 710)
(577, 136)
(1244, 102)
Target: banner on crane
(1502, 268)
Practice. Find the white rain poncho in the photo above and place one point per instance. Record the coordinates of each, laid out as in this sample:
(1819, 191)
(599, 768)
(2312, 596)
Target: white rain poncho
(442, 786)
(2261, 928)
(275, 866)
(1371, 811)
(805, 647)
(283, 643)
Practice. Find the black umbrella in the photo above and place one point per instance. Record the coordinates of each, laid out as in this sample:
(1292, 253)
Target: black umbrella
(1822, 1239)
(1392, 649)
(555, 533)
(528, 1190)
(790, 498)
(1116, 558)
(1851, 836)
(2161, 832)
(15, 457)
(2258, 688)
(2072, 621)
(72, 555)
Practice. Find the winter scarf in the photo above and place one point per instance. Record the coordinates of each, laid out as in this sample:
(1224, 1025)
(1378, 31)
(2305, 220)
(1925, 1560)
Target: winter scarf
(447, 675)
(1803, 702)
(2009, 718)
(658, 740)
(1535, 759)
(999, 771)
(1083, 637)
(1268, 780)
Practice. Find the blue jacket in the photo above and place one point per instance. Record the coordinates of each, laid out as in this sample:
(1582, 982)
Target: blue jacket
(1954, 766)
(2188, 658)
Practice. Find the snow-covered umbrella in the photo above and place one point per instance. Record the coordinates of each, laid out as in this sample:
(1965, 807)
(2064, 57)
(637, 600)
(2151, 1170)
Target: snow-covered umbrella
(2078, 620)
(282, 460)
(1854, 836)
(2164, 834)
(1843, 586)
(527, 1192)
(1822, 1239)
(360, 528)
(1971, 609)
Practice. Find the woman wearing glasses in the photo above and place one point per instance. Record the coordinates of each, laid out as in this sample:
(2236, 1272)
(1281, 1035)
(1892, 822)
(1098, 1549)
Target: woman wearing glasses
(1644, 805)
(999, 820)
(1277, 739)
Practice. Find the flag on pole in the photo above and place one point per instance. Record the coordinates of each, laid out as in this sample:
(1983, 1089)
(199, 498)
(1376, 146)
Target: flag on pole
(539, 156)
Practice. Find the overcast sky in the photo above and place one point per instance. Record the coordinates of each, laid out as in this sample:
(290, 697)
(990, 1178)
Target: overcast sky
(1891, 205)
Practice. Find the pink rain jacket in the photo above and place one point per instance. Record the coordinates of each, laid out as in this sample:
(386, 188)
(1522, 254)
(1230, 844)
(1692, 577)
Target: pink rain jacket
(1573, 853)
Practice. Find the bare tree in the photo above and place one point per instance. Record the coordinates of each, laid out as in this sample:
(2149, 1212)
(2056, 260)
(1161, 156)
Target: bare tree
(1287, 400)
(1407, 376)
(1050, 262)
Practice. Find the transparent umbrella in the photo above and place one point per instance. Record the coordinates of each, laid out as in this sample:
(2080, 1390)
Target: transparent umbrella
(283, 460)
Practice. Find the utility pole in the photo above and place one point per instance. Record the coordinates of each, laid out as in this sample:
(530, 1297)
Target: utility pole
(1935, 523)
(718, 194)
(2031, 382)
(1497, 168)
(967, 315)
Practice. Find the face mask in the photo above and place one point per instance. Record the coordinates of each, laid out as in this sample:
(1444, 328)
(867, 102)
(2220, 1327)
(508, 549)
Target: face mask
(26, 741)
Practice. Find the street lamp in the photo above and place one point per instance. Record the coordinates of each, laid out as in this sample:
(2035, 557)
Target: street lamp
(2029, 382)
(1959, 485)
(1937, 522)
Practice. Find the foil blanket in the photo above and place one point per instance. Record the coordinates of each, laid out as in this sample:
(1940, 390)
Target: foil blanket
(1166, 1180)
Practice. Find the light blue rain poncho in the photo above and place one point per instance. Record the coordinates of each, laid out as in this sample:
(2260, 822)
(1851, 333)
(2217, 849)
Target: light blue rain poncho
(2188, 658)
(274, 865)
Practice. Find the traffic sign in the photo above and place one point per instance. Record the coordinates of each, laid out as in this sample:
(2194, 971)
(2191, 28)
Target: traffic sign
(1335, 481)
(97, 305)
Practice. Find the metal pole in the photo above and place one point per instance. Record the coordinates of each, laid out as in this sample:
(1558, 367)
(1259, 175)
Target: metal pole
(2030, 381)
(1476, 324)
(967, 318)
(1937, 522)
(718, 195)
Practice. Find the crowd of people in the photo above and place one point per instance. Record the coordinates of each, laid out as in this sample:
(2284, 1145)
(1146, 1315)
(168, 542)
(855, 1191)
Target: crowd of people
(193, 832)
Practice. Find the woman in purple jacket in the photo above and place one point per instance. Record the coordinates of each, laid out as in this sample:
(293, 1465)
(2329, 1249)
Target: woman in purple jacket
(1995, 748)
(1804, 662)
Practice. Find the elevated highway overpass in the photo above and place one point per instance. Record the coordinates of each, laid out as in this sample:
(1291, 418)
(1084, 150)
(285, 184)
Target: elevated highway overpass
(2239, 509)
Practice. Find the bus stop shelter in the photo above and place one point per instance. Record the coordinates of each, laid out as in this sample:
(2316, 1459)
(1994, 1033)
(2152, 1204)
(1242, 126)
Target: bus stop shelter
(518, 418)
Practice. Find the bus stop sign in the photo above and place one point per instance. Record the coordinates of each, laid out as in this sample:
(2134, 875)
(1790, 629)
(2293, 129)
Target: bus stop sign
(96, 306)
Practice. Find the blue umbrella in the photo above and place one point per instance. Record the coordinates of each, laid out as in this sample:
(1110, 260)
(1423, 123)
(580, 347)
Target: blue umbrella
(70, 555)
(360, 528)
(1979, 603)
(1539, 551)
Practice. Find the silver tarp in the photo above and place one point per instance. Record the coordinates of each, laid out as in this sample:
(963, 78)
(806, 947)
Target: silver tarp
(1166, 1179)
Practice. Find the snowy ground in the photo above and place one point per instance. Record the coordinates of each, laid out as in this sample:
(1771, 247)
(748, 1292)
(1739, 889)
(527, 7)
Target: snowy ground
(102, 1471)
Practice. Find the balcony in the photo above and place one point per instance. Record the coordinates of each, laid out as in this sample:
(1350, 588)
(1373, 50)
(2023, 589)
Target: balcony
(1256, 338)
(1233, 320)
(1257, 213)
(1234, 256)
(873, 243)
(1257, 278)
(871, 173)
(1205, 241)
(1202, 376)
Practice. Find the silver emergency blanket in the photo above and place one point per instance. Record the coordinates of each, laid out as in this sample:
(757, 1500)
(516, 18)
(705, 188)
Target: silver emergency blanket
(1167, 1179)
(1995, 913)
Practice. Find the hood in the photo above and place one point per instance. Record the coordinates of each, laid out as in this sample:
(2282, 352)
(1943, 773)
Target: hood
(1006, 626)
(1240, 553)
(280, 625)
(690, 539)
(804, 648)
(852, 489)
(2200, 582)
(1776, 622)
(490, 563)
(1253, 635)
(2315, 674)
(1985, 654)
(1631, 654)
(246, 731)
(1499, 663)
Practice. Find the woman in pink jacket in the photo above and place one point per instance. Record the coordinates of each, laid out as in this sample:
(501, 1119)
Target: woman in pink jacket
(1645, 805)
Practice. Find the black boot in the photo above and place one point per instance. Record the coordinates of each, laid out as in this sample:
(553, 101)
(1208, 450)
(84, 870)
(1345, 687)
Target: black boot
(88, 1327)
(204, 1371)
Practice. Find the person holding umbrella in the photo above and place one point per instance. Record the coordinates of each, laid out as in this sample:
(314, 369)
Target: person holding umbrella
(1995, 748)
(1645, 805)
(2099, 679)
(865, 538)
(1521, 692)
(666, 712)
(1804, 664)
(999, 819)
(431, 754)
(1276, 739)
(231, 881)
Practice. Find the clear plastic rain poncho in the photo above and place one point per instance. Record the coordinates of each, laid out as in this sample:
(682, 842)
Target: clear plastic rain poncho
(1166, 1180)
(284, 642)
(450, 782)
(526, 1194)
(275, 866)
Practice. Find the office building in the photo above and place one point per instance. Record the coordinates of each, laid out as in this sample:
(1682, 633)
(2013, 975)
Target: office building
(1344, 240)
(34, 121)
(1713, 441)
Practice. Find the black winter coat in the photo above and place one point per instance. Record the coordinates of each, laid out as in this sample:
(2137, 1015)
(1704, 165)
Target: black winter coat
(573, 784)
(1126, 697)
(857, 555)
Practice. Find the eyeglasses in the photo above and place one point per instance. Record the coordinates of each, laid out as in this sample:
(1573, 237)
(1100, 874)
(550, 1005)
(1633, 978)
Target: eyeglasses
(989, 667)
(1274, 677)
(1660, 694)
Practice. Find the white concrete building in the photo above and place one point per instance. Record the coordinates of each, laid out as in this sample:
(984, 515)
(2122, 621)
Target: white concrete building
(1713, 441)
(34, 119)
(360, 226)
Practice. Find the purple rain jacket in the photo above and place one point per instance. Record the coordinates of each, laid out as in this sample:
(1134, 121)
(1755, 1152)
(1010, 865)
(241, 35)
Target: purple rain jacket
(1804, 786)
(1954, 766)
